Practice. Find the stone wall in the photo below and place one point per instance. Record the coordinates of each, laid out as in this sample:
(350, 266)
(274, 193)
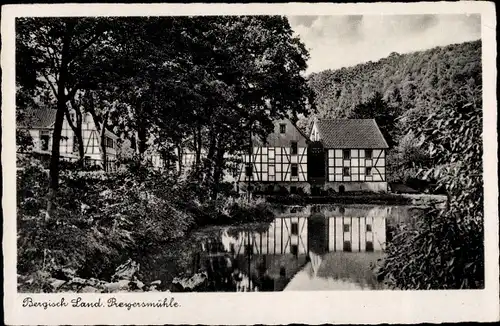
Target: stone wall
(357, 186)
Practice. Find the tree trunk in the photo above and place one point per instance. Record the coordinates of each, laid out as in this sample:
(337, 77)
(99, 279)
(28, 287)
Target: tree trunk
(81, 149)
(54, 159)
(61, 109)
(179, 158)
(250, 151)
(102, 143)
(209, 161)
(218, 171)
(101, 127)
(77, 131)
(141, 141)
(197, 147)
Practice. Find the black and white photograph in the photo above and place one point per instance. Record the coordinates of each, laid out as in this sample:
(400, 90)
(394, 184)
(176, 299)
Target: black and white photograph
(295, 153)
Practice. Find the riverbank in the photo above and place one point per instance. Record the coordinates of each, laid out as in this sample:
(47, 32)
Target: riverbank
(99, 221)
(424, 200)
(248, 257)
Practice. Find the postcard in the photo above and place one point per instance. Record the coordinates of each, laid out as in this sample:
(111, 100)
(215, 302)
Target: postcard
(249, 163)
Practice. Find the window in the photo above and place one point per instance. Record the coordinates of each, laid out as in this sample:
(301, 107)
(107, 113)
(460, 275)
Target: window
(295, 228)
(346, 172)
(368, 228)
(346, 154)
(295, 170)
(368, 171)
(109, 142)
(368, 153)
(346, 227)
(282, 128)
(369, 246)
(44, 140)
(294, 148)
(248, 170)
(347, 246)
(270, 154)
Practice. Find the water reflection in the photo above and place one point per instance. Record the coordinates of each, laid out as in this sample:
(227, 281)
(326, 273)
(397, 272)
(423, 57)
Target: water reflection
(313, 248)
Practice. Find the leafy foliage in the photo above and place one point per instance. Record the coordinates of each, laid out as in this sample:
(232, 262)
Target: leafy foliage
(169, 82)
(405, 81)
(100, 220)
(428, 105)
(439, 250)
(385, 116)
(446, 248)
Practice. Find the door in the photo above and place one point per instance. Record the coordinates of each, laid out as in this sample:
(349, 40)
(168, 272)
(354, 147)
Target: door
(316, 163)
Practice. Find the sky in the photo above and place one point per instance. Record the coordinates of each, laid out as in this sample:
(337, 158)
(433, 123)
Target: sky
(342, 41)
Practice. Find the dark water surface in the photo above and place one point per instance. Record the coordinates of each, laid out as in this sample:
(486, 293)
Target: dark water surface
(320, 247)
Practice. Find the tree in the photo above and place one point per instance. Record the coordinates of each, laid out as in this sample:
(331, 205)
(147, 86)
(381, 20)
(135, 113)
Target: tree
(76, 125)
(385, 116)
(56, 51)
(255, 78)
(445, 248)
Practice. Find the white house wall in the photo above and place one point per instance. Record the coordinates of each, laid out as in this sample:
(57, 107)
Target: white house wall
(357, 165)
(284, 236)
(314, 133)
(274, 164)
(68, 148)
(356, 233)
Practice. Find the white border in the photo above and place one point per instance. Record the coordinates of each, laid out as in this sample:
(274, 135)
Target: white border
(369, 307)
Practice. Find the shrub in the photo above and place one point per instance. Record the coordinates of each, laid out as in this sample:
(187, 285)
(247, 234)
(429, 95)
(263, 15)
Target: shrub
(98, 221)
(445, 249)
(242, 210)
(431, 253)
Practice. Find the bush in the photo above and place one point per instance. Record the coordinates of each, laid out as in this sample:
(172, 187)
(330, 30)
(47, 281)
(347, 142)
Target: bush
(445, 248)
(98, 220)
(243, 211)
(431, 253)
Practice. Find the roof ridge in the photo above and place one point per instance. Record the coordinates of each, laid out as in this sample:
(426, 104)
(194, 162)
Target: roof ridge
(351, 133)
(380, 132)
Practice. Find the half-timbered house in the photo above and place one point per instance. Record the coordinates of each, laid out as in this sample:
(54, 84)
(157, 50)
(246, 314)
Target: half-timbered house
(40, 124)
(278, 161)
(354, 153)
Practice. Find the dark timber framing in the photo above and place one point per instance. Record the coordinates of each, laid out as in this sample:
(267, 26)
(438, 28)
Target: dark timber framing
(336, 163)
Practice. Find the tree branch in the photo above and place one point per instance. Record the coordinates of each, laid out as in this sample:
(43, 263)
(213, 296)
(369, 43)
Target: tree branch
(85, 46)
(71, 93)
(70, 122)
(50, 83)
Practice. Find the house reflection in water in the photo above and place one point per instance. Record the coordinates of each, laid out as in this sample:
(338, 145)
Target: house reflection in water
(306, 250)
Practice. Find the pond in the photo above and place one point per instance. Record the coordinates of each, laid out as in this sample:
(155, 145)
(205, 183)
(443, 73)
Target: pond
(317, 247)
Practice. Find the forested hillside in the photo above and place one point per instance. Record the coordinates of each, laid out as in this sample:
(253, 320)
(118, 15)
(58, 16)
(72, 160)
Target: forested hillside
(401, 92)
(429, 106)
(407, 81)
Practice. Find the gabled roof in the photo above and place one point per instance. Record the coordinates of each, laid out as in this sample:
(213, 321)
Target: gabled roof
(39, 118)
(350, 133)
(277, 139)
(45, 119)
